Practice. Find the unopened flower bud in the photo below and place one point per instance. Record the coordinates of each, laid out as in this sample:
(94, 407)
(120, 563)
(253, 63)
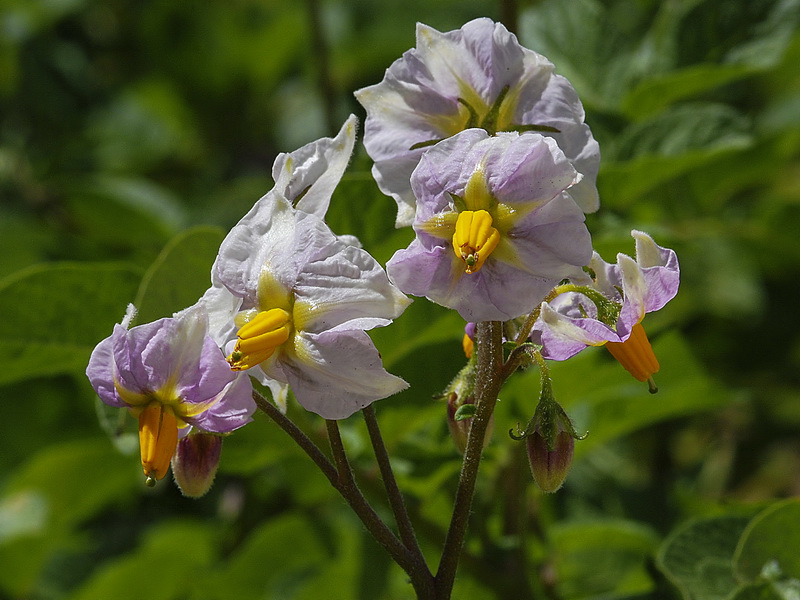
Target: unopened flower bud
(195, 463)
(460, 396)
(549, 467)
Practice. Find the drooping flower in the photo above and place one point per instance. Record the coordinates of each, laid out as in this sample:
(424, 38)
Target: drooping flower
(171, 375)
(291, 301)
(611, 310)
(496, 225)
(476, 76)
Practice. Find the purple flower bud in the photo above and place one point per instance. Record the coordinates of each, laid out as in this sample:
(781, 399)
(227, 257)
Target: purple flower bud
(195, 463)
(549, 467)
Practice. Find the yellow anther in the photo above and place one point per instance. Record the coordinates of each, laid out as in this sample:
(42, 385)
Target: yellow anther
(474, 238)
(259, 338)
(158, 438)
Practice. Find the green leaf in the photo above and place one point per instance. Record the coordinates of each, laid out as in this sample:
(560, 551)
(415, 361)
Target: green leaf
(172, 560)
(298, 555)
(53, 493)
(698, 557)
(180, 274)
(655, 93)
(772, 536)
(771, 590)
(605, 557)
(55, 314)
(677, 141)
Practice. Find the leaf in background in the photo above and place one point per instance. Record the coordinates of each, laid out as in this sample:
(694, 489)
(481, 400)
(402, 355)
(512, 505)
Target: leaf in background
(656, 93)
(770, 590)
(171, 563)
(55, 314)
(288, 541)
(772, 536)
(180, 274)
(603, 557)
(66, 483)
(676, 141)
(587, 45)
(698, 557)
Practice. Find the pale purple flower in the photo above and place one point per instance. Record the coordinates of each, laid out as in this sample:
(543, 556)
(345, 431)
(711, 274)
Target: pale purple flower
(291, 301)
(626, 291)
(512, 191)
(476, 76)
(173, 372)
(172, 361)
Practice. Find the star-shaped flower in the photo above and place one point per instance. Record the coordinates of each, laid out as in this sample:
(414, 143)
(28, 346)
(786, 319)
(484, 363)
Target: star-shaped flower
(476, 76)
(496, 225)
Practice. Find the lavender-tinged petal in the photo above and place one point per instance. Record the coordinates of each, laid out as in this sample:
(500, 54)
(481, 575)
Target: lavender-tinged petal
(100, 372)
(634, 287)
(562, 337)
(608, 278)
(339, 283)
(209, 376)
(417, 270)
(558, 106)
(660, 270)
(335, 374)
(498, 292)
(232, 408)
(445, 169)
(142, 355)
(308, 176)
(221, 306)
(552, 240)
(525, 169)
(252, 244)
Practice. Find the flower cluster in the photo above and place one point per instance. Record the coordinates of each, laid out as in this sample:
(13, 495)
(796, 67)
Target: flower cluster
(289, 304)
(485, 150)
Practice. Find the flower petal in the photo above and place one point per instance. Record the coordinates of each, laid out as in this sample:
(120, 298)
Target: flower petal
(102, 369)
(340, 284)
(230, 409)
(308, 176)
(335, 374)
(562, 337)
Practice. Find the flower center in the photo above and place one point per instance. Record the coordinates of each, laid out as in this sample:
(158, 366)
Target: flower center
(158, 438)
(259, 338)
(474, 238)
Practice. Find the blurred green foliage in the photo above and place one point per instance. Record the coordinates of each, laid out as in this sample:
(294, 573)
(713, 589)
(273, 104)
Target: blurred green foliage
(133, 133)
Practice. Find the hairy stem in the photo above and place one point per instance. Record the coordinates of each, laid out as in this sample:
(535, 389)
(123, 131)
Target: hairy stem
(422, 581)
(392, 489)
(487, 387)
(341, 478)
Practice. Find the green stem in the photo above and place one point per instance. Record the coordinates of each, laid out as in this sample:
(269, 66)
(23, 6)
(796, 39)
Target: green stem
(421, 572)
(487, 387)
(341, 478)
(346, 485)
(308, 446)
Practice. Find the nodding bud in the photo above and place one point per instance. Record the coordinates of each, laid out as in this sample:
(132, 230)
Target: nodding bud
(459, 420)
(460, 396)
(549, 466)
(195, 463)
(550, 440)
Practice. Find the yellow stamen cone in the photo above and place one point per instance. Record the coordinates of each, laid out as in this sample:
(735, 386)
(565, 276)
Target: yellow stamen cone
(474, 238)
(259, 338)
(158, 438)
(636, 355)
